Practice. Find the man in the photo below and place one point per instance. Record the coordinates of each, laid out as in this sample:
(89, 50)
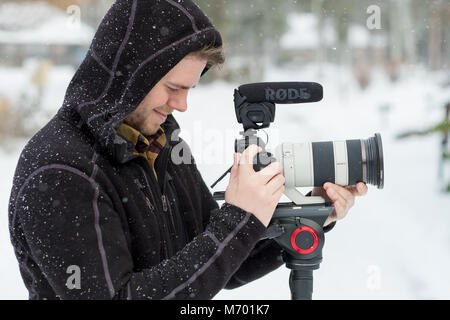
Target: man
(99, 210)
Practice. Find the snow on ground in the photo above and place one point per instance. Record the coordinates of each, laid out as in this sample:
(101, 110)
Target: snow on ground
(394, 243)
(10, 280)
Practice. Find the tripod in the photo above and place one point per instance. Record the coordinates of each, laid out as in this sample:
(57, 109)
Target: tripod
(299, 232)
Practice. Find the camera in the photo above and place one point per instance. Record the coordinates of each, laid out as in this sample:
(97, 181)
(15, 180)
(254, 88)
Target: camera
(298, 226)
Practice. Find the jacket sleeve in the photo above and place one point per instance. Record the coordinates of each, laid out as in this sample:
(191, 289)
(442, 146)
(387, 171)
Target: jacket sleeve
(76, 238)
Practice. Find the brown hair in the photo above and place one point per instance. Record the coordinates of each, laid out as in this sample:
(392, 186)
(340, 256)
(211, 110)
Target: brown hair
(213, 55)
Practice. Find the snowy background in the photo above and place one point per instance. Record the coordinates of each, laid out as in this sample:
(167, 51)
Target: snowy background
(394, 243)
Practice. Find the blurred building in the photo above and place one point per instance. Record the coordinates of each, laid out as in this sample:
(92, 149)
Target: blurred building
(310, 40)
(39, 29)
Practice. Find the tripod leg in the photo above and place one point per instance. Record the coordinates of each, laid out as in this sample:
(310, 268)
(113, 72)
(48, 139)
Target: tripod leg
(301, 284)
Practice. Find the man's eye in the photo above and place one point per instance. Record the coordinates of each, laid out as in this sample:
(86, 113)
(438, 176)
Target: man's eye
(172, 89)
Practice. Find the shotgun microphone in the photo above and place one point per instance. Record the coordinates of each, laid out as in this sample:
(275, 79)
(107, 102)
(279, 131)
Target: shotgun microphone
(282, 92)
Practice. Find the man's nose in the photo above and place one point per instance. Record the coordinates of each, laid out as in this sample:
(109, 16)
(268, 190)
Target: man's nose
(178, 102)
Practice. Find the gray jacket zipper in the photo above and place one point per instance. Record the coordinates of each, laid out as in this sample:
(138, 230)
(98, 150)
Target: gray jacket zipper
(166, 207)
(164, 202)
(149, 204)
(162, 228)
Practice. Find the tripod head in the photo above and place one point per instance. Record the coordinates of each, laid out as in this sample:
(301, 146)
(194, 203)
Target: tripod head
(300, 232)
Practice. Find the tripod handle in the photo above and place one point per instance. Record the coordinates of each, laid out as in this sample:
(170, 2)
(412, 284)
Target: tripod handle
(301, 284)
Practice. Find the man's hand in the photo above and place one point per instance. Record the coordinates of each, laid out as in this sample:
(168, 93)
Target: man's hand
(255, 192)
(343, 198)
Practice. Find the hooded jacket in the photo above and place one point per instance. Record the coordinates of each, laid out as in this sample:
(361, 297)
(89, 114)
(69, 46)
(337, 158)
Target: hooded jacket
(88, 218)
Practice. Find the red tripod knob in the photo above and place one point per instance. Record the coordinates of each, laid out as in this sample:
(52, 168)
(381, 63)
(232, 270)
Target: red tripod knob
(303, 236)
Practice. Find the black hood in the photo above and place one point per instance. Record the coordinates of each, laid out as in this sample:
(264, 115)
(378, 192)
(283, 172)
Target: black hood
(137, 43)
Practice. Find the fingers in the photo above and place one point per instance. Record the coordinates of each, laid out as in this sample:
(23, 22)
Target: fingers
(319, 191)
(359, 190)
(278, 193)
(275, 183)
(270, 171)
(342, 198)
(246, 160)
(361, 187)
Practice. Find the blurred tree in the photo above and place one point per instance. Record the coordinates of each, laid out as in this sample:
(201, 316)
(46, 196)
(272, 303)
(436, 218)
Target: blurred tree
(251, 29)
(341, 13)
(436, 35)
(442, 128)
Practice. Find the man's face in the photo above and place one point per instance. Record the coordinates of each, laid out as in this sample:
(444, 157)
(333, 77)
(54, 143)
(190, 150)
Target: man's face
(169, 94)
